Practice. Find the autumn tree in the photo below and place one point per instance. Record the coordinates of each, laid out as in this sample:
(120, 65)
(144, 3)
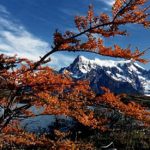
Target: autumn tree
(32, 84)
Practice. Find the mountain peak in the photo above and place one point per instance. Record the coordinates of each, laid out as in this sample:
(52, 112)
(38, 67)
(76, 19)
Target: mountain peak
(85, 65)
(81, 59)
(119, 75)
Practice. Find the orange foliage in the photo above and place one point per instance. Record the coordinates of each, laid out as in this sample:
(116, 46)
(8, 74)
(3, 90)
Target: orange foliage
(31, 84)
(131, 109)
(124, 12)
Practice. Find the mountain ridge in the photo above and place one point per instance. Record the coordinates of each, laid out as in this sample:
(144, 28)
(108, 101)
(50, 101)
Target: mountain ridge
(119, 76)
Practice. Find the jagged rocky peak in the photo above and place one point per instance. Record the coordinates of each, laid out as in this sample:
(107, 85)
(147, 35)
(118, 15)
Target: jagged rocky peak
(81, 58)
(118, 75)
(85, 65)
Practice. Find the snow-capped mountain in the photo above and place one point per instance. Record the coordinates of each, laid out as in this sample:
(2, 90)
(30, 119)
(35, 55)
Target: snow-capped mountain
(124, 76)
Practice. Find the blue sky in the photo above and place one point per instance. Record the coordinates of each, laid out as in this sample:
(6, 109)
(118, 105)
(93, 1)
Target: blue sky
(27, 27)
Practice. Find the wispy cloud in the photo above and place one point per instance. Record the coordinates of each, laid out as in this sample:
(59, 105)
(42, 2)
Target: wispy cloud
(63, 59)
(3, 10)
(108, 2)
(16, 39)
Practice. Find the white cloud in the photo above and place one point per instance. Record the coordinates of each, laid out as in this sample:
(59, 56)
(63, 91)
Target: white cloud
(3, 10)
(63, 59)
(15, 39)
(108, 2)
